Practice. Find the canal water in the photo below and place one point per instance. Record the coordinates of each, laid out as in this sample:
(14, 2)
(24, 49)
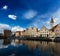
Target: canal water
(28, 48)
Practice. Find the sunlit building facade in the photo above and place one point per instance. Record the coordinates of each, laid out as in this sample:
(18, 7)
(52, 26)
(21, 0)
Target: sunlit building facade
(31, 32)
(54, 31)
(18, 33)
(44, 32)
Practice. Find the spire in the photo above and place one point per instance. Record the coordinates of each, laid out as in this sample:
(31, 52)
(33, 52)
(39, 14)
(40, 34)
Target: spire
(52, 21)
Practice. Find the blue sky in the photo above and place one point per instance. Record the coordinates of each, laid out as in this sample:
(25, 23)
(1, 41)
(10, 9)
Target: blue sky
(20, 14)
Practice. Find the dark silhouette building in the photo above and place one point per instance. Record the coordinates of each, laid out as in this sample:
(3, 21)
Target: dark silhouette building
(7, 33)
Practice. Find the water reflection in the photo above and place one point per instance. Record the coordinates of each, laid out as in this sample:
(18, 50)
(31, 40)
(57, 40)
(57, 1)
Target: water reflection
(6, 41)
(29, 48)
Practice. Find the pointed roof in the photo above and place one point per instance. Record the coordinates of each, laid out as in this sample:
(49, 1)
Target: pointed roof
(52, 21)
(55, 27)
(43, 28)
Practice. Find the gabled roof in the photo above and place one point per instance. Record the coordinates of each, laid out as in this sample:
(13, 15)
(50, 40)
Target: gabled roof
(54, 27)
(44, 28)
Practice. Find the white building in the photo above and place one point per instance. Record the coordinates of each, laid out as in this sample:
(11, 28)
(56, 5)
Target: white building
(44, 32)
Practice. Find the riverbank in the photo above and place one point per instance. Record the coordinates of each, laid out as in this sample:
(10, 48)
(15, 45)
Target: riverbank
(57, 39)
(39, 39)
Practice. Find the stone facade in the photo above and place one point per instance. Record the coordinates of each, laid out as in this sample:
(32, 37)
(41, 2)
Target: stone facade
(56, 30)
(44, 32)
(18, 33)
(31, 32)
(51, 34)
(34, 32)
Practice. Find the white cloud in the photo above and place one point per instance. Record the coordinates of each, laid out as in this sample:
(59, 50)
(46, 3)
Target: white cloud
(12, 17)
(3, 27)
(39, 22)
(8, 27)
(56, 16)
(5, 7)
(30, 14)
(17, 28)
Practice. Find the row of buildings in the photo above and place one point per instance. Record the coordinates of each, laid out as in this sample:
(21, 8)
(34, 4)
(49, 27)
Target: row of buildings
(54, 31)
(34, 32)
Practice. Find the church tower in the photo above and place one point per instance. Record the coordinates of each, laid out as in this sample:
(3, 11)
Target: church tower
(52, 23)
